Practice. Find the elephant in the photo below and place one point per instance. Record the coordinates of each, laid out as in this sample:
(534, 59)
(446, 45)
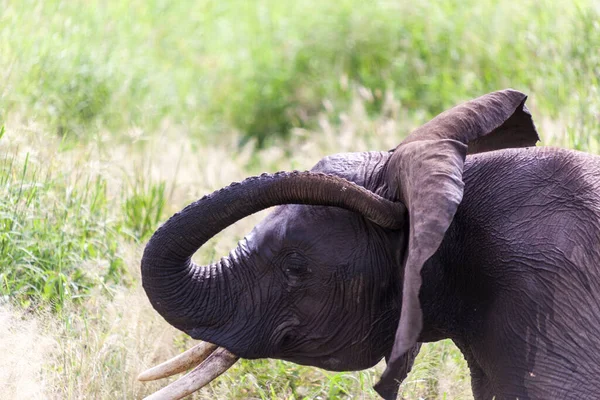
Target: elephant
(465, 231)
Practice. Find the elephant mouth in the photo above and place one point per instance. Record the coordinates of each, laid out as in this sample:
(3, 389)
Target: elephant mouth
(209, 360)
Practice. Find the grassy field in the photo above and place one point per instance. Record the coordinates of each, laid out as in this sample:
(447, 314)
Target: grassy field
(116, 114)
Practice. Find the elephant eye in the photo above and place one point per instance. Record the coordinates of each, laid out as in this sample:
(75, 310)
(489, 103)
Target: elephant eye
(295, 265)
(295, 269)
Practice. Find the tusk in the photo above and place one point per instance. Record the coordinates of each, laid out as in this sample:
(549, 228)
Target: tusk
(180, 363)
(217, 363)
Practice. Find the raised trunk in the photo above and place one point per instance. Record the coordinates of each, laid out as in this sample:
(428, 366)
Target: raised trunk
(189, 296)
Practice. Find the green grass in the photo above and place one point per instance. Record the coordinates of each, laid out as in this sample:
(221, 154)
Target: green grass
(60, 231)
(50, 226)
(266, 66)
(144, 208)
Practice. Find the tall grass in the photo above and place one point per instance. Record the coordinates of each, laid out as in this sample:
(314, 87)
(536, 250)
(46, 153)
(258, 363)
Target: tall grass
(266, 66)
(50, 227)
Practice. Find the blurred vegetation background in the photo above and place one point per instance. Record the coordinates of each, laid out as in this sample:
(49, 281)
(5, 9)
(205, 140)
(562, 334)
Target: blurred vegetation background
(115, 114)
(263, 67)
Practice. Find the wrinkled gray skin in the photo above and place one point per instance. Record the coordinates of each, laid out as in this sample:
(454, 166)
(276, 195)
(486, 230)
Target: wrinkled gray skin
(508, 267)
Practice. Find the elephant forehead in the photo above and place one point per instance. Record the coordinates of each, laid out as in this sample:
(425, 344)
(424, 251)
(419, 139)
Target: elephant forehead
(318, 221)
(317, 227)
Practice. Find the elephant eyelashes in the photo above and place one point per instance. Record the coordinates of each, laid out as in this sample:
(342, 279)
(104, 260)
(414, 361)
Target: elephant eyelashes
(296, 270)
(296, 275)
(295, 265)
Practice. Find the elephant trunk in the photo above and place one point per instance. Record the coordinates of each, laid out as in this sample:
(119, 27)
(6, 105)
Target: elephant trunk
(190, 296)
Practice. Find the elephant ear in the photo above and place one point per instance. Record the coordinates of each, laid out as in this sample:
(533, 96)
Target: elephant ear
(425, 171)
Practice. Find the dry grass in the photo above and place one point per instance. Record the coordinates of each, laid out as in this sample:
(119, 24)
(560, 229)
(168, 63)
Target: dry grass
(26, 347)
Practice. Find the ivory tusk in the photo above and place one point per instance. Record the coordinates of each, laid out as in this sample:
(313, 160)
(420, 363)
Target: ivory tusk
(217, 363)
(180, 363)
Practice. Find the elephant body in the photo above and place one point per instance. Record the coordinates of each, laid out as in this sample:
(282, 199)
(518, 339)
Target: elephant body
(516, 281)
(526, 300)
(464, 231)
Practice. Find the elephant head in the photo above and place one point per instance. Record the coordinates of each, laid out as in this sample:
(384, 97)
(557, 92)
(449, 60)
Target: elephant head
(331, 277)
